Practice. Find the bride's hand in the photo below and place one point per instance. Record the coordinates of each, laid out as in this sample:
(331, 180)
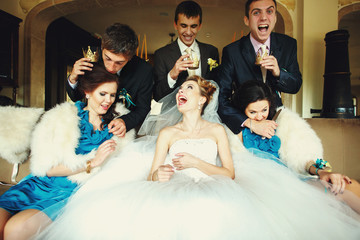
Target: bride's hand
(184, 160)
(164, 173)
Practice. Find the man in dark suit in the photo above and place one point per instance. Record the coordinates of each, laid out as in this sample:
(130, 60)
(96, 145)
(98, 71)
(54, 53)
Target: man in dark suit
(119, 45)
(279, 69)
(172, 63)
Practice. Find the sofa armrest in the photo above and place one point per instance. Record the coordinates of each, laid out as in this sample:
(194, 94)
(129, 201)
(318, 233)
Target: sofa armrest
(6, 172)
(341, 143)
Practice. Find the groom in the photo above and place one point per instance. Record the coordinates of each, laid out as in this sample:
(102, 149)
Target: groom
(119, 45)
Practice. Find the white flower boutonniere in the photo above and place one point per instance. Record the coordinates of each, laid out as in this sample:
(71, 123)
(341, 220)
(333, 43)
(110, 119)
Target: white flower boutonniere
(212, 63)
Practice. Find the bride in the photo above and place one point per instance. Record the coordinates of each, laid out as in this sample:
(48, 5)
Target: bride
(190, 192)
(194, 131)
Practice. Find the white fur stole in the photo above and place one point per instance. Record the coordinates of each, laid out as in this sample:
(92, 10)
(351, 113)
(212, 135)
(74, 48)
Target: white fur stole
(55, 138)
(16, 126)
(299, 142)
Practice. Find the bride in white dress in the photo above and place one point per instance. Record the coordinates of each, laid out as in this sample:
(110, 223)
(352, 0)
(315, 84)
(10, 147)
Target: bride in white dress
(190, 192)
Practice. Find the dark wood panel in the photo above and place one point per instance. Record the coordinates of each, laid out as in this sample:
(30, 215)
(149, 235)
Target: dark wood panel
(64, 43)
(9, 51)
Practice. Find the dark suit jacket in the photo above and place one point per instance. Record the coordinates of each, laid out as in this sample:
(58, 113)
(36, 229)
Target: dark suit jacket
(164, 61)
(137, 78)
(238, 66)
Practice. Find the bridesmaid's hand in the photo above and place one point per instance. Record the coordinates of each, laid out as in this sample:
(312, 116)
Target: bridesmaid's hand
(337, 180)
(164, 173)
(103, 152)
(184, 160)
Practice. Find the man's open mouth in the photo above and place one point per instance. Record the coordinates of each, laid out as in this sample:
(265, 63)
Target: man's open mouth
(263, 27)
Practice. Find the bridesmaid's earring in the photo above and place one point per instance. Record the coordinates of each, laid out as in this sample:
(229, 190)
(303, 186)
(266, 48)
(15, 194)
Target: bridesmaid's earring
(87, 96)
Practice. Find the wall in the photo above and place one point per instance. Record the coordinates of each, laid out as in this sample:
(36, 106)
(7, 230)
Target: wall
(12, 7)
(349, 19)
(293, 101)
(318, 19)
(312, 20)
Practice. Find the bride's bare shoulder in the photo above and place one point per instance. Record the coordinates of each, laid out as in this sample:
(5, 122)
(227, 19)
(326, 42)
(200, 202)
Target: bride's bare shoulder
(215, 126)
(170, 130)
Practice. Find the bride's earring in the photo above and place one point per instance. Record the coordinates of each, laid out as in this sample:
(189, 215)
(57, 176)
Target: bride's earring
(199, 106)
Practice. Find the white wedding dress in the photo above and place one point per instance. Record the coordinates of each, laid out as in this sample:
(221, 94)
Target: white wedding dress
(265, 201)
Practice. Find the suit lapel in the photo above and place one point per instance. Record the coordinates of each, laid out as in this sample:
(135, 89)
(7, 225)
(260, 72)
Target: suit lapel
(250, 56)
(275, 47)
(203, 57)
(275, 50)
(126, 72)
(175, 51)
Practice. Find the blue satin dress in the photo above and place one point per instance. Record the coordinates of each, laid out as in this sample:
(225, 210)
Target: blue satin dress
(50, 194)
(264, 148)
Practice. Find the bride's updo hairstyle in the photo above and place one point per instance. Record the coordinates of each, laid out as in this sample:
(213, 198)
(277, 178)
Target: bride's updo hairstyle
(253, 91)
(91, 80)
(207, 89)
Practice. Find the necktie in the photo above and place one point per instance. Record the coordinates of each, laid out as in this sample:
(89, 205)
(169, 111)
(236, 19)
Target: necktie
(263, 52)
(188, 51)
(190, 71)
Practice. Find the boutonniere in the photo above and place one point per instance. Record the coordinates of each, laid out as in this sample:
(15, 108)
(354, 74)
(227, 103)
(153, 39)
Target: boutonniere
(212, 63)
(125, 98)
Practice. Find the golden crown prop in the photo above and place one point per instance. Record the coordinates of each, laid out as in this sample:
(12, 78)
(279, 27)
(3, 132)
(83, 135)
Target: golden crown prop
(94, 56)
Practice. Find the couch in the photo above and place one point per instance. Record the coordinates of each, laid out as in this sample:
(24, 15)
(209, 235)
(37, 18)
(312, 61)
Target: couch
(340, 139)
(341, 143)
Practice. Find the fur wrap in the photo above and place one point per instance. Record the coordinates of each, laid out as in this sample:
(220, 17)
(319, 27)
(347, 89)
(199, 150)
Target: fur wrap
(16, 126)
(55, 138)
(299, 142)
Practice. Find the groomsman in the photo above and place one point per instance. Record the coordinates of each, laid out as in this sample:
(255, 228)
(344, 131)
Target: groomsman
(173, 63)
(261, 55)
(118, 46)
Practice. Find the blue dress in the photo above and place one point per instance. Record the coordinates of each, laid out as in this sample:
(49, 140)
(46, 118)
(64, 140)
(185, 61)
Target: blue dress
(42, 193)
(262, 147)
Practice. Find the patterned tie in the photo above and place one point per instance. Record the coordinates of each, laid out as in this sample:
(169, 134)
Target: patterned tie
(264, 51)
(188, 51)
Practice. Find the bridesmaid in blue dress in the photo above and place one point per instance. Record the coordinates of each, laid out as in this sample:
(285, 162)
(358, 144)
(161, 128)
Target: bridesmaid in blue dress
(39, 191)
(266, 136)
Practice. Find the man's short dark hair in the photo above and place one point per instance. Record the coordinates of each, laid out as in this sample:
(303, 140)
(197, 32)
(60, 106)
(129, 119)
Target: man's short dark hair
(120, 38)
(189, 9)
(247, 6)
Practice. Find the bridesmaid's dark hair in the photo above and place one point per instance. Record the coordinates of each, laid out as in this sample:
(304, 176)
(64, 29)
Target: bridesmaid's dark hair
(91, 80)
(253, 91)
